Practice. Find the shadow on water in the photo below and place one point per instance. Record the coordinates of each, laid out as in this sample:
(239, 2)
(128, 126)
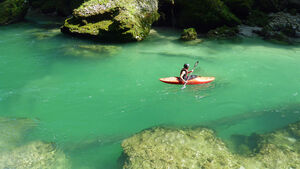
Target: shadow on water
(180, 55)
(273, 118)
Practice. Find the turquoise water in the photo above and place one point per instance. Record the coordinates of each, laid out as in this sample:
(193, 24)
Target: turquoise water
(88, 102)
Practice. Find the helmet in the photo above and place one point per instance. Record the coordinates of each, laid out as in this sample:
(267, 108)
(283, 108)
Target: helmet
(186, 66)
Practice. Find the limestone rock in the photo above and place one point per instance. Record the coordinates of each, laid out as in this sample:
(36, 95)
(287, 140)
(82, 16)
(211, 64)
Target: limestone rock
(176, 148)
(109, 20)
(35, 155)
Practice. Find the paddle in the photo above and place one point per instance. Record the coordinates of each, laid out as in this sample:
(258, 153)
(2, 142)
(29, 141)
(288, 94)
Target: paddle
(184, 86)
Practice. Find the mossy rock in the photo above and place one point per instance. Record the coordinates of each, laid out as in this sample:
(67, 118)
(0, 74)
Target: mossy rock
(204, 14)
(189, 34)
(282, 27)
(241, 8)
(176, 148)
(223, 32)
(35, 155)
(163, 147)
(115, 21)
(12, 11)
(12, 131)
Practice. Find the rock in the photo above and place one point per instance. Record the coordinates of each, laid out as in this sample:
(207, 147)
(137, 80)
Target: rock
(248, 31)
(189, 34)
(92, 51)
(223, 32)
(12, 131)
(45, 34)
(203, 14)
(282, 27)
(35, 155)
(279, 149)
(12, 11)
(163, 147)
(176, 148)
(108, 20)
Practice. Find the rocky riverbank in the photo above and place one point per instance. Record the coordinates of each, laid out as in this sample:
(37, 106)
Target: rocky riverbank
(131, 20)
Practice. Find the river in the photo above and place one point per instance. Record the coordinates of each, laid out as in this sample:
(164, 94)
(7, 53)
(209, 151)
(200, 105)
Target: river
(89, 96)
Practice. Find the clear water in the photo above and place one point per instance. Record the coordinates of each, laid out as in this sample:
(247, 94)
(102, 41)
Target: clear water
(88, 102)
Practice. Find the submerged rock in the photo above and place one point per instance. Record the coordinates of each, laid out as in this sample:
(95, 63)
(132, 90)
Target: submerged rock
(279, 149)
(45, 34)
(119, 21)
(12, 131)
(189, 34)
(36, 155)
(162, 147)
(92, 51)
(223, 32)
(12, 11)
(177, 148)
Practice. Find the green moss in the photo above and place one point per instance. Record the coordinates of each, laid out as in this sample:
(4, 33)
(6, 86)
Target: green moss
(124, 20)
(189, 34)
(12, 11)
(204, 14)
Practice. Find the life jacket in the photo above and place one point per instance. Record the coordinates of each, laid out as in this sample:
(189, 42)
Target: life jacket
(185, 76)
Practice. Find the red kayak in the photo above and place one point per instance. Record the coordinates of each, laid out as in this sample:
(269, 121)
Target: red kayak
(193, 81)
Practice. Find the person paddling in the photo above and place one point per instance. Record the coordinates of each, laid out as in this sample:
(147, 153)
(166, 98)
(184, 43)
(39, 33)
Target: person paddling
(184, 73)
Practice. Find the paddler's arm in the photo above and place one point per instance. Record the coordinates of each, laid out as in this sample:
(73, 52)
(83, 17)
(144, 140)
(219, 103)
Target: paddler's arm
(181, 77)
(190, 71)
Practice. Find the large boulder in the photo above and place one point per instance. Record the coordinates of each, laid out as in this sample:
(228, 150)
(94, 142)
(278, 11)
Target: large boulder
(176, 148)
(203, 14)
(108, 20)
(12, 11)
(163, 147)
(282, 27)
(189, 34)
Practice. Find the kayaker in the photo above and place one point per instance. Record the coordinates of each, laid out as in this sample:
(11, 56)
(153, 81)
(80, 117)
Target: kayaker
(184, 72)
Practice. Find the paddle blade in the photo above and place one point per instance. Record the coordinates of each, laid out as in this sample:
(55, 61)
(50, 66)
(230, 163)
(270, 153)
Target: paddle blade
(183, 87)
